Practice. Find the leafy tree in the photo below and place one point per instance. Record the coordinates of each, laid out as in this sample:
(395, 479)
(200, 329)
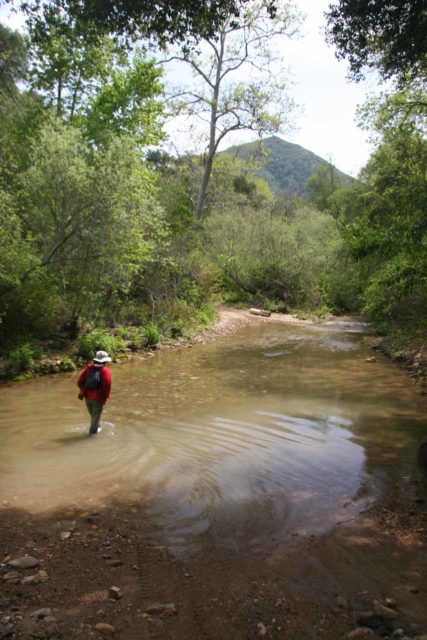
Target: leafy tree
(13, 59)
(68, 62)
(168, 21)
(275, 256)
(234, 182)
(127, 103)
(405, 108)
(220, 98)
(387, 228)
(385, 35)
(84, 222)
(89, 81)
(322, 184)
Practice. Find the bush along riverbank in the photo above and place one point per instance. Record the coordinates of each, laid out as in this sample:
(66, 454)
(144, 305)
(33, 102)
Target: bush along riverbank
(30, 358)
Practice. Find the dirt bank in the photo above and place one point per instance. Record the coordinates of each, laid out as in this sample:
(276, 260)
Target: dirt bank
(230, 320)
(409, 354)
(308, 588)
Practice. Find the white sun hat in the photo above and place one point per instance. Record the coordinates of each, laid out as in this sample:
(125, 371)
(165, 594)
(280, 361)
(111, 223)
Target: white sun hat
(101, 357)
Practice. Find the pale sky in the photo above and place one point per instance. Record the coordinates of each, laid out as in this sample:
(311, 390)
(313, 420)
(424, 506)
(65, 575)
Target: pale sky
(327, 126)
(328, 100)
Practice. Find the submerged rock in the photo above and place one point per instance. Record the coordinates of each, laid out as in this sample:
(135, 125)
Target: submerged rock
(26, 562)
(11, 576)
(115, 593)
(41, 613)
(165, 609)
(382, 610)
(106, 629)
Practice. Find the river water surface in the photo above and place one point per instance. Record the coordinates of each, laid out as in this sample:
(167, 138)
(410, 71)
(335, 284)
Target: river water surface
(276, 431)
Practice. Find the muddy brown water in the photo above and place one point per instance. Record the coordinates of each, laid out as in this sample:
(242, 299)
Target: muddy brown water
(276, 431)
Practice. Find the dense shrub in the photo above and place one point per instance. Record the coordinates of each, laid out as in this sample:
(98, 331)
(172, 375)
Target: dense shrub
(274, 256)
(151, 334)
(23, 356)
(93, 341)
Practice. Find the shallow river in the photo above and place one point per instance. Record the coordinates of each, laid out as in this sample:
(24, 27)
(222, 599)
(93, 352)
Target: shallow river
(275, 431)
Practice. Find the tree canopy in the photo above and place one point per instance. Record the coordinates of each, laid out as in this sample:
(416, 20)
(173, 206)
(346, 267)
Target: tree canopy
(167, 21)
(388, 35)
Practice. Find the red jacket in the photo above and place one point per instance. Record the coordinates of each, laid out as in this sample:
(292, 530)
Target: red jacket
(103, 392)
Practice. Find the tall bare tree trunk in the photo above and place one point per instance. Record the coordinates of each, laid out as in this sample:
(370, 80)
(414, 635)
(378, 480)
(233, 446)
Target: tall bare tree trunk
(207, 170)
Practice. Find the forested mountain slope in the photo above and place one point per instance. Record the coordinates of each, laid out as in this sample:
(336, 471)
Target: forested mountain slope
(284, 165)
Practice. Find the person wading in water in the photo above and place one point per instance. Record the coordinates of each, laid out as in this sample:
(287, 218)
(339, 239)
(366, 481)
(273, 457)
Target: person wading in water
(95, 383)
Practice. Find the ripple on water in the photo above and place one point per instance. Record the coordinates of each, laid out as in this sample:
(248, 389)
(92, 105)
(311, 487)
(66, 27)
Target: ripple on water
(259, 435)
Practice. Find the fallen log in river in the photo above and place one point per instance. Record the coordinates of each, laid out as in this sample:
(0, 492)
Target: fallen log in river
(260, 312)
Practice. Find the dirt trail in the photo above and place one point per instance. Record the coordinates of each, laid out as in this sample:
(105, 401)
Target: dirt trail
(364, 579)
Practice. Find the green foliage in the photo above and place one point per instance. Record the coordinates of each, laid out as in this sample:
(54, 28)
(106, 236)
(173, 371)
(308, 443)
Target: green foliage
(285, 166)
(68, 61)
(88, 217)
(279, 257)
(175, 190)
(13, 59)
(96, 340)
(170, 21)
(127, 103)
(384, 35)
(204, 316)
(66, 364)
(87, 78)
(341, 285)
(131, 336)
(23, 356)
(403, 109)
(234, 183)
(384, 220)
(323, 183)
(151, 334)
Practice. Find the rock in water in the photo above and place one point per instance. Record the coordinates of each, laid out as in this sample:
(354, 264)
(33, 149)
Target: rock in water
(12, 576)
(106, 629)
(41, 613)
(26, 562)
(115, 593)
(114, 563)
(165, 609)
(382, 610)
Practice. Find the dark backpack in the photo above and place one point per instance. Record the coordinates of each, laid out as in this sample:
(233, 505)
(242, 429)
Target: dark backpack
(93, 379)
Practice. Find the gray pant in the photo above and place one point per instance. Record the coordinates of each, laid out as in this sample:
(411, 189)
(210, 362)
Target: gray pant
(95, 409)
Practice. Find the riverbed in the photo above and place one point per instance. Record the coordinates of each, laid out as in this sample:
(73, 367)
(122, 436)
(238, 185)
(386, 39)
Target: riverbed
(275, 431)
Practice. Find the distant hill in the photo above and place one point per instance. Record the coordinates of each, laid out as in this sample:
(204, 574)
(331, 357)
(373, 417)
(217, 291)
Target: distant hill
(285, 166)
